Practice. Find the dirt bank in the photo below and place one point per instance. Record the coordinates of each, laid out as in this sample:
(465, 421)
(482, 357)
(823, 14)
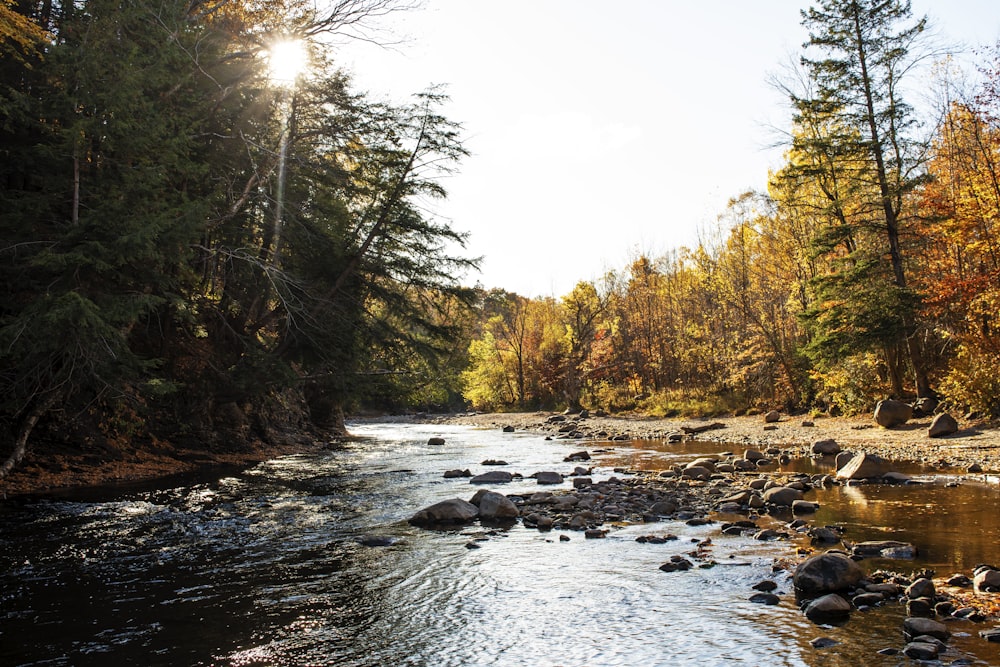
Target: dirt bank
(976, 442)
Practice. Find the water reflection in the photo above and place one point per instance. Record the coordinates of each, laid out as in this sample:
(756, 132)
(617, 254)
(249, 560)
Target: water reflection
(264, 567)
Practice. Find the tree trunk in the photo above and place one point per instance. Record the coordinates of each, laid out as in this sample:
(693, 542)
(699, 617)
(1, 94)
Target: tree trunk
(21, 442)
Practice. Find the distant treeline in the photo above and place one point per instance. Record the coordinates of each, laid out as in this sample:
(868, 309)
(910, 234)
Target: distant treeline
(870, 268)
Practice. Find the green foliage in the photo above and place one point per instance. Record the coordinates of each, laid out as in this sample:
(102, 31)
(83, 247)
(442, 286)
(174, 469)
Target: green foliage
(853, 384)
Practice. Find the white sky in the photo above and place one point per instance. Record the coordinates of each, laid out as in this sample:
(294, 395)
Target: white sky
(599, 130)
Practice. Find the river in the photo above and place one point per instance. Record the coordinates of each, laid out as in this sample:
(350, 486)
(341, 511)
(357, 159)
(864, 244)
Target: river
(265, 566)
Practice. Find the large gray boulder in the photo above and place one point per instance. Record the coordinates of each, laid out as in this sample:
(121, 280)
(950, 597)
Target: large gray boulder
(942, 425)
(447, 512)
(548, 477)
(495, 506)
(492, 477)
(863, 466)
(986, 580)
(828, 572)
(889, 413)
(825, 447)
(917, 626)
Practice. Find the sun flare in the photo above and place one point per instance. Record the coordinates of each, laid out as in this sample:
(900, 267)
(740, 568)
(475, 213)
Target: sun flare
(286, 60)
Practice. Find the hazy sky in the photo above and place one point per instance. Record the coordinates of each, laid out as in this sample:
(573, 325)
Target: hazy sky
(602, 129)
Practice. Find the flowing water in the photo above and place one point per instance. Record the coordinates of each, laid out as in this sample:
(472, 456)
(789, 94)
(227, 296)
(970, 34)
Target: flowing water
(266, 567)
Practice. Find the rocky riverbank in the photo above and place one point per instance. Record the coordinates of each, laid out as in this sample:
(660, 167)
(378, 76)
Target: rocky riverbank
(744, 494)
(975, 443)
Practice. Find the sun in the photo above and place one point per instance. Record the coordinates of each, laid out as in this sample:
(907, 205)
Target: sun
(286, 60)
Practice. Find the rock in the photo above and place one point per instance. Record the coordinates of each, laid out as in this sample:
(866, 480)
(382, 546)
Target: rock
(992, 635)
(495, 506)
(920, 607)
(804, 507)
(842, 459)
(828, 607)
(921, 651)
(867, 600)
(492, 477)
(663, 507)
(772, 417)
(986, 581)
(884, 549)
(451, 474)
(826, 573)
(943, 424)
(916, 626)
(753, 455)
(435, 441)
(889, 413)
(975, 468)
(924, 406)
(921, 588)
(704, 462)
(826, 447)
(577, 456)
(376, 540)
(740, 497)
(765, 586)
(581, 482)
(446, 512)
(765, 598)
(548, 477)
(959, 580)
(494, 462)
(863, 466)
(508, 429)
(822, 642)
(595, 534)
(824, 535)
(782, 495)
(697, 472)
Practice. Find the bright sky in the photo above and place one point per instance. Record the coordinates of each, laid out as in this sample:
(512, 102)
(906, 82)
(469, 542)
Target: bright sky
(599, 130)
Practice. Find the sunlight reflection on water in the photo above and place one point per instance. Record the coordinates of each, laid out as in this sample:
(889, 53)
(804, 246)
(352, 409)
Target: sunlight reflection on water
(265, 568)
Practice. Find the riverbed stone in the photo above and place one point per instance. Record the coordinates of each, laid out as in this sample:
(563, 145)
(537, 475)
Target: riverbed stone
(435, 441)
(804, 507)
(942, 425)
(863, 466)
(765, 598)
(890, 412)
(447, 512)
(884, 549)
(992, 635)
(492, 477)
(921, 588)
(782, 495)
(753, 455)
(921, 651)
(496, 506)
(826, 447)
(697, 472)
(915, 626)
(920, 607)
(867, 600)
(548, 477)
(772, 417)
(828, 572)
(828, 607)
(986, 581)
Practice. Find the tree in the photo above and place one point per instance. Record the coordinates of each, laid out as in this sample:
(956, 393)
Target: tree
(863, 52)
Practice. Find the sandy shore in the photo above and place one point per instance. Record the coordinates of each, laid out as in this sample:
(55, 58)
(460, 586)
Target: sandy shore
(976, 442)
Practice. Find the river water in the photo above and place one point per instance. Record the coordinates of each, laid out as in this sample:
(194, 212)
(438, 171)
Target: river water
(265, 566)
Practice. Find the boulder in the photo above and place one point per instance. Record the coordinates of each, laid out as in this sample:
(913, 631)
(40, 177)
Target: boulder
(826, 573)
(765, 598)
(451, 474)
(804, 507)
(704, 462)
(492, 477)
(696, 472)
(826, 447)
(924, 406)
(863, 466)
(663, 507)
(782, 495)
(842, 459)
(772, 417)
(986, 581)
(921, 588)
(942, 425)
(446, 512)
(753, 455)
(828, 607)
(889, 413)
(916, 626)
(577, 456)
(548, 477)
(921, 651)
(435, 441)
(496, 506)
